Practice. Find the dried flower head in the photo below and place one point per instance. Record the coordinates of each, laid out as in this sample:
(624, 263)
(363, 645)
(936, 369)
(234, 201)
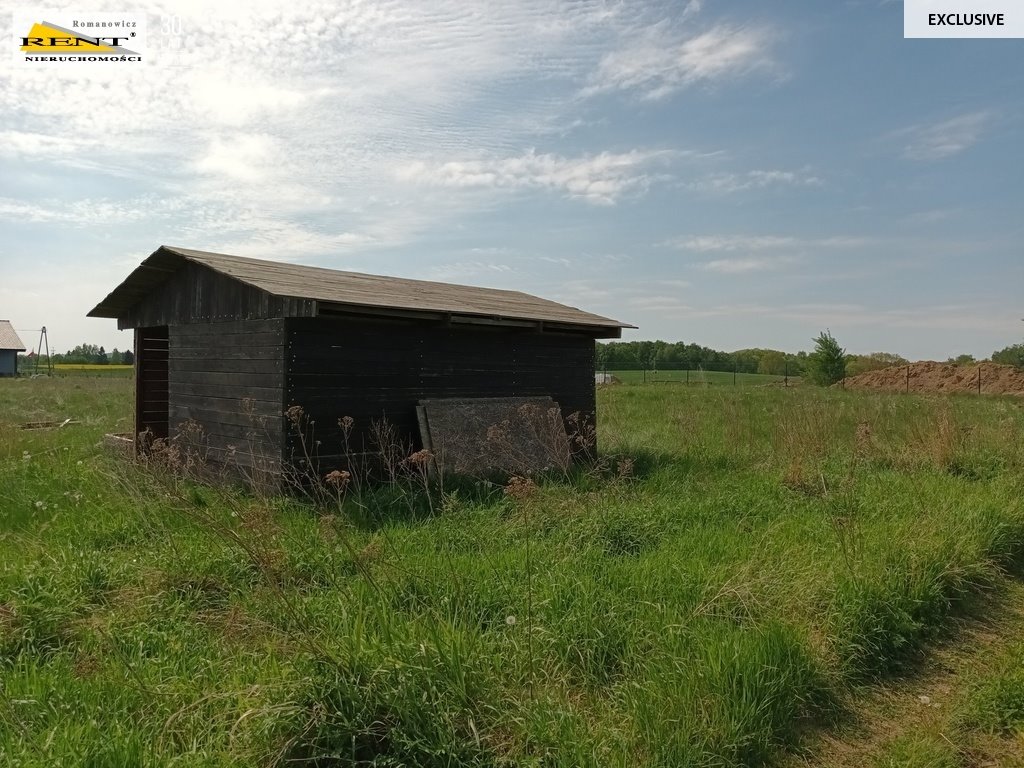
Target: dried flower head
(421, 458)
(294, 413)
(520, 488)
(338, 479)
(346, 422)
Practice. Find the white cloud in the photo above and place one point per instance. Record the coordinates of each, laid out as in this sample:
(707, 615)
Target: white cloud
(600, 179)
(744, 265)
(660, 60)
(230, 101)
(728, 183)
(28, 144)
(243, 157)
(464, 270)
(947, 138)
(338, 96)
(87, 212)
(730, 243)
(709, 243)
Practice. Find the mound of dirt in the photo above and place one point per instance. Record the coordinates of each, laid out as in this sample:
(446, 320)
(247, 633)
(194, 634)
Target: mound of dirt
(942, 377)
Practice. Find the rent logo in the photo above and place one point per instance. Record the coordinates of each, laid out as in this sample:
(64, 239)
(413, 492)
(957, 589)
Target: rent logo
(73, 39)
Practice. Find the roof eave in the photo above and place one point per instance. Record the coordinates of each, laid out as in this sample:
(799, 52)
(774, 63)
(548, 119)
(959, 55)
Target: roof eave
(113, 306)
(603, 328)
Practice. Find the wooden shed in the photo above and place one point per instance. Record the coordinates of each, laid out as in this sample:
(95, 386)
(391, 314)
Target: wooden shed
(232, 343)
(10, 346)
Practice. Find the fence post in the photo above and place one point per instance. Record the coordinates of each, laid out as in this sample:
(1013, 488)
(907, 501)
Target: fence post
(687, 364)
(734, 373)
(979, 378)
(785, 381)
(908, 378)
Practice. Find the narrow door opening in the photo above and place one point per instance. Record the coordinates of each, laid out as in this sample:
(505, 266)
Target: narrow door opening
(151, 392)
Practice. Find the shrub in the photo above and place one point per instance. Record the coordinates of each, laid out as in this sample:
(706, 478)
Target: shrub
(827, 363)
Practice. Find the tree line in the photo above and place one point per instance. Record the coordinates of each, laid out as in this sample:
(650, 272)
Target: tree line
(651, 355)
(91, 354)
(828, 361)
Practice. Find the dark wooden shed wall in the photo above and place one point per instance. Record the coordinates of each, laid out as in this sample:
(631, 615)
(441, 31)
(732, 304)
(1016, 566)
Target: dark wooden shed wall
(371, 370)
(229, 378)
(197, 294)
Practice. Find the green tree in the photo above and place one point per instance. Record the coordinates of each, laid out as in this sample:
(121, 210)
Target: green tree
(101, 357)
(1012, 355)
(827, 363)
(962, 360)
(857, 364)
(772, 362)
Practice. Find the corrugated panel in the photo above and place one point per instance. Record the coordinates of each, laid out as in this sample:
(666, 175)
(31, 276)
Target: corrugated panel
(348, 289)
(8, 338)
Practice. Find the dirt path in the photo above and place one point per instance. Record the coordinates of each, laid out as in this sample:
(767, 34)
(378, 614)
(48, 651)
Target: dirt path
(914, 721)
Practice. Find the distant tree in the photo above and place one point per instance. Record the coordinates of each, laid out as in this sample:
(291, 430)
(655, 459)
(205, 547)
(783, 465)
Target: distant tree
(772, 362)
(745, 360)
(1012, 355)
(101, 357)
(128, 357)
(827, 363)
(83, 353)
(856, 364)
(962, 360)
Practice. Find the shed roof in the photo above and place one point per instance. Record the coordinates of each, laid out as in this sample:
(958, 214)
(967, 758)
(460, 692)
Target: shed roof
(8, 338)
(347, 288)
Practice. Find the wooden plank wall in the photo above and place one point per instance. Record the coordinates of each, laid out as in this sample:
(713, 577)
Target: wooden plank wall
(197, 294)
(370, 370)
(229, 378)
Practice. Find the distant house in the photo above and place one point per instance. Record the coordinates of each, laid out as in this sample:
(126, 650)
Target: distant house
(10, 346)
(226, 341)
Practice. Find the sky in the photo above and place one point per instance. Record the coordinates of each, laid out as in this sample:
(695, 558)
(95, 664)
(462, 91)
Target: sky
(735, 174)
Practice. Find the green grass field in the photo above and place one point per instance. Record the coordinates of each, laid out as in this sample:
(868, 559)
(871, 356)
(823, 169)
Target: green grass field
(74, 369)
(719, 591)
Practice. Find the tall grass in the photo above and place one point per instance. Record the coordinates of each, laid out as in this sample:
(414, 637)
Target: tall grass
(735, 563)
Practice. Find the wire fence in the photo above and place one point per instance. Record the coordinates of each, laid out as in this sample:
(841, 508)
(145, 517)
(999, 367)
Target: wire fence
(903, 378)
(690, 373)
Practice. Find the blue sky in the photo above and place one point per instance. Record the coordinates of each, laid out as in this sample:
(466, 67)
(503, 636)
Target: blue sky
(736, 174)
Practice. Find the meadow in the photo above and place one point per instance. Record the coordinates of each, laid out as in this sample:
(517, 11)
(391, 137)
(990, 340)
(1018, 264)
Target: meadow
(87, 369)
(696, 378)
(724, 587)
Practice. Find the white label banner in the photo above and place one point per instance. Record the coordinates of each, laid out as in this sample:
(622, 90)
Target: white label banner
(963, 18)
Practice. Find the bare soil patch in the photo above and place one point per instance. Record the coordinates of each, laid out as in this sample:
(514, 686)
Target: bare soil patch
(948, 378)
